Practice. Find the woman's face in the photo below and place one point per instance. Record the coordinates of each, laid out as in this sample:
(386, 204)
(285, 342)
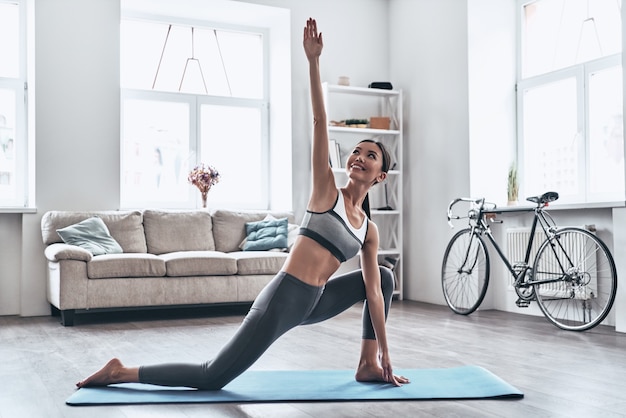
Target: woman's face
(365, 163)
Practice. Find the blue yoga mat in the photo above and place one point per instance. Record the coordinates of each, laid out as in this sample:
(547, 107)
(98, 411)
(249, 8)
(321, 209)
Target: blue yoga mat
(467, 382)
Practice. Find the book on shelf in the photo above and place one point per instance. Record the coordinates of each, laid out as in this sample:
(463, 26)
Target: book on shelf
(334, 153)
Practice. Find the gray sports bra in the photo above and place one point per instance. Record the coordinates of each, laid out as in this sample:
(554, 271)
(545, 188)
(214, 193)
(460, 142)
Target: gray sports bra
(333, 231)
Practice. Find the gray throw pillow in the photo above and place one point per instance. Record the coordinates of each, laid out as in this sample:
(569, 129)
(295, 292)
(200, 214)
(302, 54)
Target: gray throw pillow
(91, 234)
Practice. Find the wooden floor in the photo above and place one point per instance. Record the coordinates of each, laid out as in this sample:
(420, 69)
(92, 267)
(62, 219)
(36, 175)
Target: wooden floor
(562, 374)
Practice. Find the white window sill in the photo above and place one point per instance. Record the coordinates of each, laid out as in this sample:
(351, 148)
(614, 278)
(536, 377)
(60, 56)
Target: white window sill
(21, 209)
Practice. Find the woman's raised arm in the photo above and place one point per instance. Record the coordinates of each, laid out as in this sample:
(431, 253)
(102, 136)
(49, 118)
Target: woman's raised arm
(323, 179)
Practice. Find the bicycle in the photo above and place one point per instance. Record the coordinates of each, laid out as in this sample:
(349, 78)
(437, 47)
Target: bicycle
(572, 278)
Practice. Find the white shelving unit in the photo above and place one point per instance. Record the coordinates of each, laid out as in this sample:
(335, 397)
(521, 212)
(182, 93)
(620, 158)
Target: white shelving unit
(344, 103)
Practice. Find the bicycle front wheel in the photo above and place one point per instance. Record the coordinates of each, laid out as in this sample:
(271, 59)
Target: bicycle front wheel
(465, 272)
(577, 279)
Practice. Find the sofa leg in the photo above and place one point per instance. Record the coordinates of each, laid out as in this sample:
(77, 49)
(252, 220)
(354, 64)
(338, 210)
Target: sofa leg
(67, 317)
(54, 311)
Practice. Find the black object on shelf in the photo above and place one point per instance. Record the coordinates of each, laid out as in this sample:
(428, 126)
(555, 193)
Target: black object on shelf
(385, 85)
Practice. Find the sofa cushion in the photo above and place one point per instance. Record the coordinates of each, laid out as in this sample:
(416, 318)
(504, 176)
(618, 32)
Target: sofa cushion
(172, 231)
(266, 234)
(126, 227)
(229, 227)
(125, 265)
(259, 262)
(199, 263)
(91, 234)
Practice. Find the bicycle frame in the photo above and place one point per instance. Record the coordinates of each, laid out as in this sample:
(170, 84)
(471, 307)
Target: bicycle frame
(480, 215)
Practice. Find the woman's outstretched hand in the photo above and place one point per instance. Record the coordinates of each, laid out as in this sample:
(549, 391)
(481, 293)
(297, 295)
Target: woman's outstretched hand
(312, 41)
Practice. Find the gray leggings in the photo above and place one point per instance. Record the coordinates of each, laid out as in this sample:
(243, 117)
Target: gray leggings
(284, 303)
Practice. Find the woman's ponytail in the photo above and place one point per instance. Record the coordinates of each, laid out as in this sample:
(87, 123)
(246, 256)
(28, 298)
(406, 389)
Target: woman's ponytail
(366, 206)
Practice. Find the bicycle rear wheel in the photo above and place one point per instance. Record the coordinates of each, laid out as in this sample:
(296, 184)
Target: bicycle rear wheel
(465, 272)
(580, 279)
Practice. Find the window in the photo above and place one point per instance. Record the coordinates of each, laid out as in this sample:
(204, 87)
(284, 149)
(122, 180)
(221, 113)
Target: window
(193, 93)
(13, 140)
(570, 100)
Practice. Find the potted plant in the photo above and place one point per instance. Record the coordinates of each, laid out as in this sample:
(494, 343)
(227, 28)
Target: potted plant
(512, 185)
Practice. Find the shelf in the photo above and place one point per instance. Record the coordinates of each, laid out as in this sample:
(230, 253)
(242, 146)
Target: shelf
(363, 131)
(377, 212)
(334, 88)
(389, 251)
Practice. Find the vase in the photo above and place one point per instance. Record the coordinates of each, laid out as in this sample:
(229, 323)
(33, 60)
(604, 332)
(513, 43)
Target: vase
(204, 196)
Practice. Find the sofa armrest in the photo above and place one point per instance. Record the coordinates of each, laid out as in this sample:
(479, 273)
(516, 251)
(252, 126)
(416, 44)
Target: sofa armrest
(56, 252)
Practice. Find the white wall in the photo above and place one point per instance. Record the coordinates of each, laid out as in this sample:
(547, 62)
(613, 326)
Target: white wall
(10, 256)
(77, 123)
(429, 61)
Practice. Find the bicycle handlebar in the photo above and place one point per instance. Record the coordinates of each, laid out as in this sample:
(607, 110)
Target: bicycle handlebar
(477, 206)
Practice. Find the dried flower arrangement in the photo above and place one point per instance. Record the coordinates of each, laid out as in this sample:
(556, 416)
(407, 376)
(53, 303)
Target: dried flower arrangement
(204, 176)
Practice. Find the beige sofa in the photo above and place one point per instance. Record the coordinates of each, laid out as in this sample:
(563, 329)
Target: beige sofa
(168, 258)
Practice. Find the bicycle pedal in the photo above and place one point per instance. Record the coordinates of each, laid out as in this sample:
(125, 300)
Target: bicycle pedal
(521, 303)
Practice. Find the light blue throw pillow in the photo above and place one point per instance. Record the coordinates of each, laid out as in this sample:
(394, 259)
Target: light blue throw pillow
(91, 234)
(266, 235)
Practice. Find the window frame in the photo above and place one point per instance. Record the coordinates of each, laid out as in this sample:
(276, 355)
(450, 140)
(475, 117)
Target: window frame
(581, 73)
(24, 175)
(196, 101)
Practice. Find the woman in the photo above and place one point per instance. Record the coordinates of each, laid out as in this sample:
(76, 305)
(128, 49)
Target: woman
(301, 293)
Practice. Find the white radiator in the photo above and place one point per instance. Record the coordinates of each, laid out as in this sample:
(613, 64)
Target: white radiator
(517, 242)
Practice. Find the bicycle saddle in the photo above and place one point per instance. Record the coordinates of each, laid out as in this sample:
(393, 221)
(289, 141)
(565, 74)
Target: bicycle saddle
(544, 198)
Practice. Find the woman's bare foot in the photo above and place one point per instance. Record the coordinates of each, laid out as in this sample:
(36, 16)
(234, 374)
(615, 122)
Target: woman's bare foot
(112, 372)
(374, 373)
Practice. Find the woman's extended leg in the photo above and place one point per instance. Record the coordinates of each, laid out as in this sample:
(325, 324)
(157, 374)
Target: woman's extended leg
(279, 307)
(282, 305)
